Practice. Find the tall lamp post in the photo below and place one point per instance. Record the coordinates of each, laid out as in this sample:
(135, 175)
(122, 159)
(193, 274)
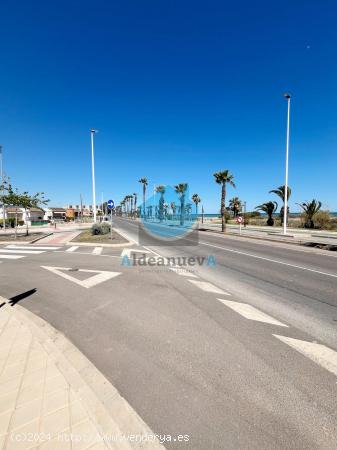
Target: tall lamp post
(92, 132)
(3, 189)
(285, 212)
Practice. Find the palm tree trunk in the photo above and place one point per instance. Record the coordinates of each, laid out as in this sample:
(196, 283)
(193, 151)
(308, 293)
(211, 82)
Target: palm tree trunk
(223, 208)
(144, 192)
(182, 209)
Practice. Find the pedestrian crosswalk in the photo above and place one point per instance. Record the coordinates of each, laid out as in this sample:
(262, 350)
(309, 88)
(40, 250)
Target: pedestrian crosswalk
(21, 251)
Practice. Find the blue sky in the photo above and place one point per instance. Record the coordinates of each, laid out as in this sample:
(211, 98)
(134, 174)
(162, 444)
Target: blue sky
(178, 90)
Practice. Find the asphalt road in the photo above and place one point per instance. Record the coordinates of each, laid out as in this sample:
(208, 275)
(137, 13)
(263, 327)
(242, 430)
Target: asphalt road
(192, 364)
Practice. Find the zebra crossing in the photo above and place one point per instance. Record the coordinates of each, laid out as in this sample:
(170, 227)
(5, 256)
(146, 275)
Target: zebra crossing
(17, 251)
(21, 251)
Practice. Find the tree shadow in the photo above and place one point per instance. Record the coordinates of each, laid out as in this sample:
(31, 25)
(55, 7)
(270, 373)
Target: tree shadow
(17, 298)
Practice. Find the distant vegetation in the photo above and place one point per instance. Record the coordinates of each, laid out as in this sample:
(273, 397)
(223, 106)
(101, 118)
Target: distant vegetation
(312, 217)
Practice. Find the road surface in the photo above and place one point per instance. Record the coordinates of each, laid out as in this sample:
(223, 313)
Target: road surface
(237, 355)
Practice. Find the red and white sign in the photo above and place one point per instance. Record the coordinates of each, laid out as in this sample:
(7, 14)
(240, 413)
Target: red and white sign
(239, 219)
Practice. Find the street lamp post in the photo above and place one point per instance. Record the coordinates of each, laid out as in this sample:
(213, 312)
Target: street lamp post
(285, 212)
(3, 189)
(92, 132)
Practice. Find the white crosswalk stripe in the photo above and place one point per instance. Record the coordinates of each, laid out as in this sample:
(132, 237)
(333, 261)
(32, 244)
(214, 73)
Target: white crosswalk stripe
(11, 256)
(21, 251)
(72, 249)
(97, 250)
(28, 252)
(30, 247)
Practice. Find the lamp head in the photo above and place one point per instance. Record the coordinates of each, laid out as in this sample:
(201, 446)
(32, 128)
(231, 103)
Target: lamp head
(287, 95)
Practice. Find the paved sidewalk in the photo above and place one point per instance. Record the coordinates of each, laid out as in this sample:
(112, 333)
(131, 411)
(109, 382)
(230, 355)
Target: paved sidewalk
(297, 236)
(59, 238)
(44, 404)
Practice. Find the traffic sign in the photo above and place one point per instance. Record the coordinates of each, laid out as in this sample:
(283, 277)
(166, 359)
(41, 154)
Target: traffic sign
(239, 219)
(111, 204)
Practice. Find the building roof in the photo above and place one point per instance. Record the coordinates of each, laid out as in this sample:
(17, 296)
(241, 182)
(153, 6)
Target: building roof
(55, 208)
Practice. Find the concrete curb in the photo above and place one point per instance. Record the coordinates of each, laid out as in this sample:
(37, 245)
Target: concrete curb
(98, 244)
(110, 412)
(40, 237)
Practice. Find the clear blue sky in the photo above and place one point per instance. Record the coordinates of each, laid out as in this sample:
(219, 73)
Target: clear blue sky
(178, 90)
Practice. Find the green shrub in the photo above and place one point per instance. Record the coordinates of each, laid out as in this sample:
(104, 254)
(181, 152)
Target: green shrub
(100, 228)
(322, 220)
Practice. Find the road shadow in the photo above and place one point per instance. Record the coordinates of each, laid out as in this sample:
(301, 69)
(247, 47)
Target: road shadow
(17, 298)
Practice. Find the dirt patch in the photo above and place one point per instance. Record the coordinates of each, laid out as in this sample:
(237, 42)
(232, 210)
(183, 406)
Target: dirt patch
(20, 237)
(87, 237)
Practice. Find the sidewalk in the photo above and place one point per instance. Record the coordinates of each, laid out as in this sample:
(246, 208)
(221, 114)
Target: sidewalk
(60, 228)
(45, 401)
(59, 238)
(294, 235)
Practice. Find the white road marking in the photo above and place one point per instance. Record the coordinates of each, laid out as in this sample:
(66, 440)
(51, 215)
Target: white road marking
(269, 259)
(318, 353)
(100, 277)
(251, 313)
(127, 252)
(183, 272)
(11, 256)
(30, 247)
(30, 252)
(72, 249)
(97, 250)
(208, 287)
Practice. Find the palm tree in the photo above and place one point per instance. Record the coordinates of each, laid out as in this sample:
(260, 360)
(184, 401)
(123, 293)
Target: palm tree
(224, 177)
(161, 190)
(135, 202)
(269, 208)
(144, 182)
(181, 189)
(131, 204)
(280, 192)
(196, 200)
(310, 209)
(235, 205)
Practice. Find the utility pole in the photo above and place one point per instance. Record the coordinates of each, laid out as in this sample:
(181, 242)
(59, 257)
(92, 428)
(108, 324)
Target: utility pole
(285, 212)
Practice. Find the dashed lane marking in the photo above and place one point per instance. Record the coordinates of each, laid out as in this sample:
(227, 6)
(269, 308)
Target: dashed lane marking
(11, 256)
(251, 313)
(318, 353)
(72, 249)
(184, 272)
(208, 287)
